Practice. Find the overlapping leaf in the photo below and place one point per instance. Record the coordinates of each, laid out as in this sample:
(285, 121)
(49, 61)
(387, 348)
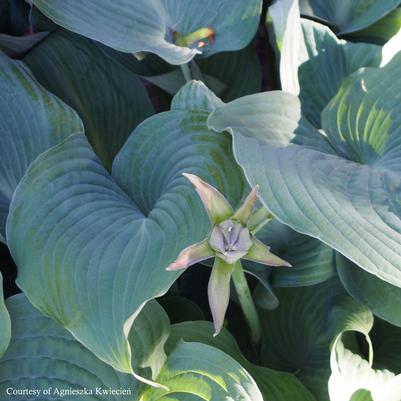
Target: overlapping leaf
(32, 120)
(43, 356)
(342, 187)
(110, 99)
(313, 61)
(348, 15)
(92, 248)
(274, 385)
(150, 25)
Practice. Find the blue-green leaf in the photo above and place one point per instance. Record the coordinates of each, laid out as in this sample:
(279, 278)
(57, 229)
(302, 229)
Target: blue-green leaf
(274, 385)
(151, 25)
(313, 61)
(191, 373)
(48, 361)
(348, 15)
(92, 248)
(110, 99)
(342, 185)
(32, 120)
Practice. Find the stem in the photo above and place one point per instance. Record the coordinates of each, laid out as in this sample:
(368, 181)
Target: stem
(246, 302)
(195, 71)
(186, 72)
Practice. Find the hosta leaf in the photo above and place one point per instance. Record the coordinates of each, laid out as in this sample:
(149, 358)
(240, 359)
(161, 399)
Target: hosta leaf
(92, 248)
(32, 120)
(382, 30)
(348, 15)
(110, 99)
(346, 193)
(43, 355)
(197, 371)
(382, 298)
(149, 25)
(274, 385)
(328, 63)
(313, 62)
(284, 19)
(5, 323)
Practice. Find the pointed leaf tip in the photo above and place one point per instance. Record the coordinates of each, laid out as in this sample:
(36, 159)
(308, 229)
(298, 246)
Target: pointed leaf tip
(219, 292)
(244, 213)
(260, 253)
(216, 205)
(192, 254)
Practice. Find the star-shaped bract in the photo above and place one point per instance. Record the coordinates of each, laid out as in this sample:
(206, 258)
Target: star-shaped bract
(230, 239)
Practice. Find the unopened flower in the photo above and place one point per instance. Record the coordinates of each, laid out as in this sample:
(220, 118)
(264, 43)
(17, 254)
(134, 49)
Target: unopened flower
(230, 240)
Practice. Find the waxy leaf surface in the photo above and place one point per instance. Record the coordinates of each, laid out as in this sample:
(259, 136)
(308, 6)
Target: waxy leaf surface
(32, 120)
(348, 15)
(341, 186)
(150, 25)
(92, 247)
(110, 100)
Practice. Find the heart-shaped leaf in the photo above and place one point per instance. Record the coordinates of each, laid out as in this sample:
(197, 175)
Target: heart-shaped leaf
(92, 248)
(348, 15)
(32, 120)
(110, 99)
(341, 186)
(154, 25)
(5, 323)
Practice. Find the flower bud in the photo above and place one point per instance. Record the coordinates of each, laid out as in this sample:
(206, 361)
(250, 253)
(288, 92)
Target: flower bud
(230, 240)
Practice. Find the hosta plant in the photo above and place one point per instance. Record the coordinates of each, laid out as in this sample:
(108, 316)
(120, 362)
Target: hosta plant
(200, 200)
